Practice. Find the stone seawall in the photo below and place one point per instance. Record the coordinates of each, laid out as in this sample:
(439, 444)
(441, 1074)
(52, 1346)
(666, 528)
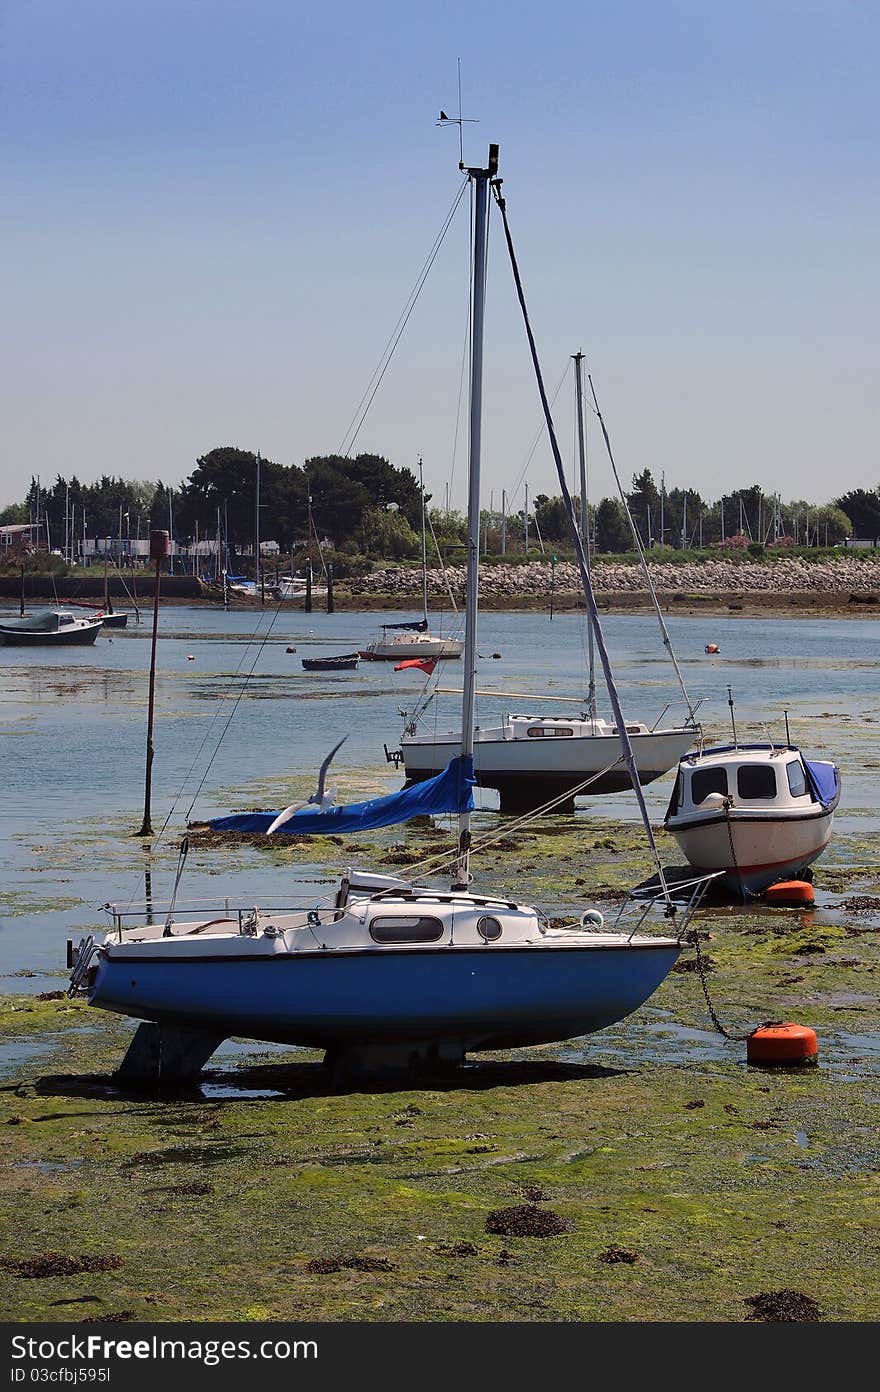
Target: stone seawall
(788, 576)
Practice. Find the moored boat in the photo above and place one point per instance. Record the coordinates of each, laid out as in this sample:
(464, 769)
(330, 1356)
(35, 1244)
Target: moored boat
(343, 662)
(50, 628)
(758, 812)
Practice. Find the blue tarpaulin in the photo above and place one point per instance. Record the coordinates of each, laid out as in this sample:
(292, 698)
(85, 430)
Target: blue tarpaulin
(824, 781)
(449, 791)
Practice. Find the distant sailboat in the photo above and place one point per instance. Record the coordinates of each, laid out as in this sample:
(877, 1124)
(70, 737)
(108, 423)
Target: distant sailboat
(413, 639)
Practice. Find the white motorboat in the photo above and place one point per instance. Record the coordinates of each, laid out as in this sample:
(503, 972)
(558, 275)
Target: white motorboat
(759, 812)
(385, 972)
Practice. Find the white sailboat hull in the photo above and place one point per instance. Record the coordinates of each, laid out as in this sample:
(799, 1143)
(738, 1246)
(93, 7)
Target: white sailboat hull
(413, 645)
(528, 770)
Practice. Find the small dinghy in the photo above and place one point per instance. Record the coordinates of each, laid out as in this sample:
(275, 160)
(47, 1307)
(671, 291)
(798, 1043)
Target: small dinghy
(344, 662)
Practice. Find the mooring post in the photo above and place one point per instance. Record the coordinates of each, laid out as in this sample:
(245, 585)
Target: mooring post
(159, 546)
(308, 606)
(330, 608)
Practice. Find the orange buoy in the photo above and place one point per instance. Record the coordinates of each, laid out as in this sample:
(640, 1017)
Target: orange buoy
(712, 648)
(787, 1044)
(793, 892)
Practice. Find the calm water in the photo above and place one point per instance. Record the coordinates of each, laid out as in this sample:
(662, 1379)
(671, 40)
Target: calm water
(73, 735)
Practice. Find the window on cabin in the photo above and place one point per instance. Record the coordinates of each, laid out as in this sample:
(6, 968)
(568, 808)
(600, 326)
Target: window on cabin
(488, 928)
(548, 731)
(406, 929)
(797, 778)
(706, 781)
(755, 782)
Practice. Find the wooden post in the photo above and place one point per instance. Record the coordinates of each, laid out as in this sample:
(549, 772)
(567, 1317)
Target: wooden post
(308, 604)
(330, 608)
(159, 549)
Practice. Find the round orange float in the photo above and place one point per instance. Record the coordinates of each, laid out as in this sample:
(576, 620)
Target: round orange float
(793, 892)
(782, 1043)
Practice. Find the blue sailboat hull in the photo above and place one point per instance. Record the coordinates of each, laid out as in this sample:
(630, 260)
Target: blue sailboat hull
(481, 998)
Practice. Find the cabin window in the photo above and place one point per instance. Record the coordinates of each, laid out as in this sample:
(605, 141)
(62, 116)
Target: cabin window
(676, 797)
(630, 730)
(548, 731)
(706, 781)
(488, 928)
(756, 781)
(406, 929)
(797, 779)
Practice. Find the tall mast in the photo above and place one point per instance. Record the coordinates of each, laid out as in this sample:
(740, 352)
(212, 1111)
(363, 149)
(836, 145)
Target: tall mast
(424, 547)
(257, 526)
(480, 179)
(578, 358)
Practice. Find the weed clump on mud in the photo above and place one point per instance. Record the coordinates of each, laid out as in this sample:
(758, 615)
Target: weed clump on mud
(457, 1249)
(111, 1317)
(527, 1220)
(615, 1255)
(58, 1264)
(783, 1305)
(326, 1266)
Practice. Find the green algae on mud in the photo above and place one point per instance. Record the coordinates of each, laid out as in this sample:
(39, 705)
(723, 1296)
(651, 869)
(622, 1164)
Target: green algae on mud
(267, 1194)
(244, 1197)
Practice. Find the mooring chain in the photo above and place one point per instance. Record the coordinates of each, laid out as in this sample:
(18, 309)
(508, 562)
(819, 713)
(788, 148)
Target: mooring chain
(694, 939)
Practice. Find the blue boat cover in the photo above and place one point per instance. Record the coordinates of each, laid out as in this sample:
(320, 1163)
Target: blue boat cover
(824, 781)
(449, 791)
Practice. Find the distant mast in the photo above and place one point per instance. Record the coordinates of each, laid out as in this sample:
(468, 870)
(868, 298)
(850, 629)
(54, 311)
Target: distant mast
(424, 547)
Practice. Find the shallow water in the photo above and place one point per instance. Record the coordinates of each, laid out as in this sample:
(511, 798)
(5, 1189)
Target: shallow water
(73, 737)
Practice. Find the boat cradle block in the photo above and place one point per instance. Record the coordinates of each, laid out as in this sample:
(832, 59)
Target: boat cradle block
(166, 1054)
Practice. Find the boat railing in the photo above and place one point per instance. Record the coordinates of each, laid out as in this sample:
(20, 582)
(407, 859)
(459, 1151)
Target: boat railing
(679, 898)
(151, 911)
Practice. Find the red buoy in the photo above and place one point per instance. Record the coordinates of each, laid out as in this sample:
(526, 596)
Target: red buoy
(782, 1043)
(795, 893)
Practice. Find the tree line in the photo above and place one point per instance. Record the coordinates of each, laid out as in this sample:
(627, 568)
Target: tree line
(366, 507)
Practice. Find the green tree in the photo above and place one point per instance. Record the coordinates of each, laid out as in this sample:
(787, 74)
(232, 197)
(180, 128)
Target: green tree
(385, 533)
(613, 532)
(862, 507)
(644, 505)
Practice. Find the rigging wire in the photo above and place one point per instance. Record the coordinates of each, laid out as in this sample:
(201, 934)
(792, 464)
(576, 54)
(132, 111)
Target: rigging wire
(584, 567)
(387, 354)
(667, 641)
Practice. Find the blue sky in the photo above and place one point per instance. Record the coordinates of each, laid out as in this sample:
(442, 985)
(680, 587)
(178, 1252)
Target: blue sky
(214, 214)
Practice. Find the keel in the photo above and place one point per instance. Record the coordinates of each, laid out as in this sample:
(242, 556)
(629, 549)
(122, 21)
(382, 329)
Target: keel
(159, 1055)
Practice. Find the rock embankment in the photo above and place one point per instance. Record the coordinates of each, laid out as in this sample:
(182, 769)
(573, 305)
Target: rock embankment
(792, 575)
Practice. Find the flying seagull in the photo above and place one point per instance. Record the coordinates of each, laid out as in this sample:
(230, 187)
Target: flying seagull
(320, 799)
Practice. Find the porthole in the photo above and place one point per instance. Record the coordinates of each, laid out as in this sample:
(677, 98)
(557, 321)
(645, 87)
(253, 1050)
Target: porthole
(488, 928)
